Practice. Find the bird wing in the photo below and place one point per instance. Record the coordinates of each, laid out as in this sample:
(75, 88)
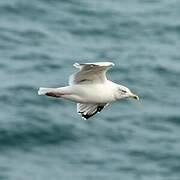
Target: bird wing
(88, 110)
(90, 73)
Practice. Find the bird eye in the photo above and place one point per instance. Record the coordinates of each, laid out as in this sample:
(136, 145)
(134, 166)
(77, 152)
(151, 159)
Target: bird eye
(124, 91)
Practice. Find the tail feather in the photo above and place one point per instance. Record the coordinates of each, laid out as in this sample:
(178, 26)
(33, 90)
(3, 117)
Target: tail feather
(44, 91)
(53, 92)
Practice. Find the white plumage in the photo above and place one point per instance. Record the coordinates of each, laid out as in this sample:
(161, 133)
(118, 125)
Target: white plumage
(90, 73)
(90, 89)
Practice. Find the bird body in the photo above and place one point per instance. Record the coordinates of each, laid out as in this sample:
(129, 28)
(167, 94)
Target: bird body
(90, 89)
(90, 93)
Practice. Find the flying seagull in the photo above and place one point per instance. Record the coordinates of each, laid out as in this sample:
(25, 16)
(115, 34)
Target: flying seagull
(90, 89)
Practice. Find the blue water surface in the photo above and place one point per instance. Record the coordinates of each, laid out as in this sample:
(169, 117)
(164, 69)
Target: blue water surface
(43, 138)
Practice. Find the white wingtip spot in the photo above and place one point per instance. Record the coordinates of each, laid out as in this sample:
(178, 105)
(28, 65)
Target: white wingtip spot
(76, 65)
(42, 91)
(39, 92)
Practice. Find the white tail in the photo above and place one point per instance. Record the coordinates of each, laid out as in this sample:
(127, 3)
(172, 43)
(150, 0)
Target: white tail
(55, 92)
(43, 91)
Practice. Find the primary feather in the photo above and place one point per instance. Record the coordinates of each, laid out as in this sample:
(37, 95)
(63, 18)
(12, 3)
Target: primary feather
(90, 73)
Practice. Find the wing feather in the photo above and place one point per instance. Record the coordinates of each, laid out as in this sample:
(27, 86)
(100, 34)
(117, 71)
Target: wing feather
(90, 73)
(88, 110)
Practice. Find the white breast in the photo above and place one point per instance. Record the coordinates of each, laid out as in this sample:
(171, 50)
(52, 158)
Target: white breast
(94, 93)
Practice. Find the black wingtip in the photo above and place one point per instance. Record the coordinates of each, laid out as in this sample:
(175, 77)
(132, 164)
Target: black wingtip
(87, 116)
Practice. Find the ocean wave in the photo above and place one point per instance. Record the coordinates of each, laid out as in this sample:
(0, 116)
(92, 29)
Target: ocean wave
(27, 135)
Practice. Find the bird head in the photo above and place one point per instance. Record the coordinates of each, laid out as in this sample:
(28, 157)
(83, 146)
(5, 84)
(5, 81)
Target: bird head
(124, 92)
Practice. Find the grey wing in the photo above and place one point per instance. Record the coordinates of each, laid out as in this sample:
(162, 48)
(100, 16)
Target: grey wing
(90, 73)
(88, 110)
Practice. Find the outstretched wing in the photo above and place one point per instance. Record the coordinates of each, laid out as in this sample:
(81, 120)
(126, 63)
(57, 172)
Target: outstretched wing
(88, 110)
(90, 73)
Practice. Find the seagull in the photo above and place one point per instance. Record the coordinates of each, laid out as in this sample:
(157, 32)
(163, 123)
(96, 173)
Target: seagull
(90, 89)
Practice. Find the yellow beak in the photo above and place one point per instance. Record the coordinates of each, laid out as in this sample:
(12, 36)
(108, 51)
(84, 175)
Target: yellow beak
(134, 96)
